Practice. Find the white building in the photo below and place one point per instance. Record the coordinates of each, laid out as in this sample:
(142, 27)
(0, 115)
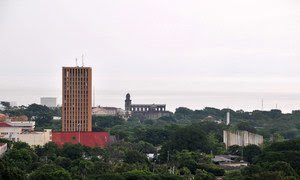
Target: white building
(241, 138)
(48, 101)
(25, 125)
(34, 138)
(24, 132)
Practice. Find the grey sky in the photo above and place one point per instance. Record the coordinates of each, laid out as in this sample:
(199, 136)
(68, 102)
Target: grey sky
(181, 52)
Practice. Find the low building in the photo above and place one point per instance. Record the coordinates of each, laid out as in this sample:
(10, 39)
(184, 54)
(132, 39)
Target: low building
(108, 111)
(241, 138)
(3, 149)
(34, 138)
(7, 130)
(90, 139)
(23, 131)
(146, 111)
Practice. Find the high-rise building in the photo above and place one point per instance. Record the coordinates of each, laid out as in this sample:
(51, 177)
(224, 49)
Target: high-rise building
(77, 99)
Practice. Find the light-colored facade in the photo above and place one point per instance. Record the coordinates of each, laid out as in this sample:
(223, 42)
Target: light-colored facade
(34, 138)
(25, 125)
(241, 138)
(77, 99)
(145, 111)
(49, 102)
(108, 111)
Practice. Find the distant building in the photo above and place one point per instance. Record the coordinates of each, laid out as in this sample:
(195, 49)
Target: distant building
(108, 111)
(49, 102)
(77, 99)
(241, 138)
(146, 111)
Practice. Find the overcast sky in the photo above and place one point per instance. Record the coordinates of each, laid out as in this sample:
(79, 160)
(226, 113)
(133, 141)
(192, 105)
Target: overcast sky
(196, 53)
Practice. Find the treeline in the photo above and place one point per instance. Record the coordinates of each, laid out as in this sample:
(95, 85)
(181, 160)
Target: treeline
(270, 124)
(128, 160)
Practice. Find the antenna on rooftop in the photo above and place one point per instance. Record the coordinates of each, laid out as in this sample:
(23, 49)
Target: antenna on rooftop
(76, 62)
(82, 58)
(262, 104)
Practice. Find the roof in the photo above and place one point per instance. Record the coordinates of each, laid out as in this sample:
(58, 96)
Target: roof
(148, 104)
(222, 158)
(2, 124)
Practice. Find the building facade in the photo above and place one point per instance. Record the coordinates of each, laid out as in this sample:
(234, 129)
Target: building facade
(146, 111)
(20, 131)
(108, 111)
(241, 138)
(77, 99)
(89, 139)
(49, 102)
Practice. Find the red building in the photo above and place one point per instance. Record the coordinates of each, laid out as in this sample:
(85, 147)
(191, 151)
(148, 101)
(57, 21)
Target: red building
(90, 139)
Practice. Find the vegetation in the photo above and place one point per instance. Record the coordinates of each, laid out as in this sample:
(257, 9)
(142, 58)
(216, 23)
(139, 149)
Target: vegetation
(181, 147)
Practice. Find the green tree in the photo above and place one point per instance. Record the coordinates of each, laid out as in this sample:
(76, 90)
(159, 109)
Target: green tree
(10, 172)
(203, 175)
(50, 172)
(133, 156)
(72, 151)
(233, 175)
(251, 152)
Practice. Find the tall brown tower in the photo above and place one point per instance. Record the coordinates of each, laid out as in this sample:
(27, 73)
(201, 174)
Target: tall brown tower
(77, 99)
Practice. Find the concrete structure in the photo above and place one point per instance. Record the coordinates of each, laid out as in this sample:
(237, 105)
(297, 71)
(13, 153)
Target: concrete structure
(90, 139)
(24, 125)
(241, 138)
(34, 138)
(3, 149)
(108, 111)
(77, 99)
(146, 111)
(227, 118)
(23, 132)
(49, 102)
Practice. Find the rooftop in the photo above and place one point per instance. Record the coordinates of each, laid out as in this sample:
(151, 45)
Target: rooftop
(2, 124)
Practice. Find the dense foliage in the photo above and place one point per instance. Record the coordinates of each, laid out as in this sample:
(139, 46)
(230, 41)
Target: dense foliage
(177, 147)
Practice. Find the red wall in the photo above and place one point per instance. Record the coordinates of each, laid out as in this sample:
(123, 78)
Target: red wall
(90, 139)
